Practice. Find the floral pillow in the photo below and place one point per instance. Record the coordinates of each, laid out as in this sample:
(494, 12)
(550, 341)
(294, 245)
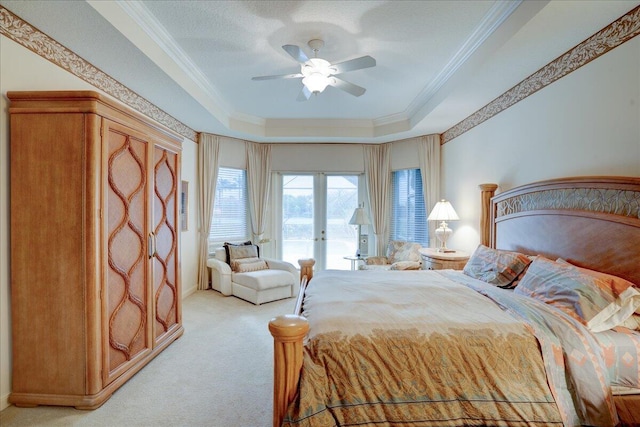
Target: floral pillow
(587, 297)
(496, 266)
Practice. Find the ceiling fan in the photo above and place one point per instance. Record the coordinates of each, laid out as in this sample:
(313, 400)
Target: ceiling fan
(317, 73)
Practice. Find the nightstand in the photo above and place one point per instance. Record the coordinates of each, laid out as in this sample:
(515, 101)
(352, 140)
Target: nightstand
(434, 260)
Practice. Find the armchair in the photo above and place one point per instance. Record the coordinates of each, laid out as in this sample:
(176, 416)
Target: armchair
(253, 279)
(400, 255)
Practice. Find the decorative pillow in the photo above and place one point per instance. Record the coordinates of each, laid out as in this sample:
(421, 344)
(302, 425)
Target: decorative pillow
(245, 251)
(521, 275)
(405, 265)
(633, 322)
(245, 265)
(496, 266)
(585, 297)
(235, 250)
(617, 285)
(399, 250)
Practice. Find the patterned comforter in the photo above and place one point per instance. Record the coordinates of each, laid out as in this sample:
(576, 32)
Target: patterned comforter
(437, 348)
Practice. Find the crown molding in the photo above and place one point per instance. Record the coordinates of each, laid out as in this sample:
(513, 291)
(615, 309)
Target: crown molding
(613, 35)
(498, 13)
(14, 28)
(144, 30)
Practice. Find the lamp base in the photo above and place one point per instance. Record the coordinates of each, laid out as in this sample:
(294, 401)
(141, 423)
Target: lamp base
(442, 233)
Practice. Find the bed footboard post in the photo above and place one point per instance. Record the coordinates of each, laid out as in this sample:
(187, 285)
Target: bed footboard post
(288, 332)
(488, 191)
(306, 268)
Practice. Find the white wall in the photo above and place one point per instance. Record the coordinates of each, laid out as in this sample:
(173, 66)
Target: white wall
(189, 238)
(21, 69)
(587, 123)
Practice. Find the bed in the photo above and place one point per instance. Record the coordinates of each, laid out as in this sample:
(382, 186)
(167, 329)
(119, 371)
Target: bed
(361, 349)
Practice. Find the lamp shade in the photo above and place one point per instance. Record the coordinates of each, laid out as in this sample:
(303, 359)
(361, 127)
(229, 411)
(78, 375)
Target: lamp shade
(443, 211)
(359, 217)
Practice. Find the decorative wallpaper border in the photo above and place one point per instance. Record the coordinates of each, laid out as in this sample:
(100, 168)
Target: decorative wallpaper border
(31, 38)
(610, 37)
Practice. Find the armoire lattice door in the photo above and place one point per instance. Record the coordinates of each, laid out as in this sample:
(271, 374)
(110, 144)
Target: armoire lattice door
(128, 250)
(165, 267)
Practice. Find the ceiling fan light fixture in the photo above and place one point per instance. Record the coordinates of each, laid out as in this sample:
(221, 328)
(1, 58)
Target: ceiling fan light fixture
(318, 73)
(316, 82)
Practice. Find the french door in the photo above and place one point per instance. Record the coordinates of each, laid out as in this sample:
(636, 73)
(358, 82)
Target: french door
(314, 220)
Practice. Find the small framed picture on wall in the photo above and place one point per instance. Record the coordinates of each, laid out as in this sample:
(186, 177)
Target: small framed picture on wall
(184, 206)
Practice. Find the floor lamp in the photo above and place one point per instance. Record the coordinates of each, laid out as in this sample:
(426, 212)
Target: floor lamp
(359, 218)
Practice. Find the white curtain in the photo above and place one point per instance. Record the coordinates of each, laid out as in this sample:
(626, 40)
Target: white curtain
(208, 150)
(259, 186)
(429, 153)
(377, 172)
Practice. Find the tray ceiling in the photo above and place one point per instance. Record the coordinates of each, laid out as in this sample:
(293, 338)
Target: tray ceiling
(437, 61)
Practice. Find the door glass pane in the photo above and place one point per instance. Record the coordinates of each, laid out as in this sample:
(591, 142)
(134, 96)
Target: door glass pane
(297, 217)
(342, 200)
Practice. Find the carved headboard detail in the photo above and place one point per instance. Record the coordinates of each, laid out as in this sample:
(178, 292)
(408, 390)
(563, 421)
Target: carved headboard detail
(593, 222)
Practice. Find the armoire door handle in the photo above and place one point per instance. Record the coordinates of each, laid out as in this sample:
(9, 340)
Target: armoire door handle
(151, 245)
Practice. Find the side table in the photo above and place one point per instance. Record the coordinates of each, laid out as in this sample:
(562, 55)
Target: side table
(434, 260)
(354, 260)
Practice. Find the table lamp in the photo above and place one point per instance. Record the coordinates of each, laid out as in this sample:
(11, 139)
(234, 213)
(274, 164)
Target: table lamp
(443, 211)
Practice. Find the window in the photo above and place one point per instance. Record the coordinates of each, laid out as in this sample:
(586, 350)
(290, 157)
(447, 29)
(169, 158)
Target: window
(229, 222)
(409, 219)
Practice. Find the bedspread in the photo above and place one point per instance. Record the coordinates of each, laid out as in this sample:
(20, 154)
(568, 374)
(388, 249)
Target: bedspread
(419, 349)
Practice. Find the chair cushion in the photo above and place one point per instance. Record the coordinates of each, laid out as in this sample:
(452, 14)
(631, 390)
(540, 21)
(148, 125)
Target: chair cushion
(263, 279)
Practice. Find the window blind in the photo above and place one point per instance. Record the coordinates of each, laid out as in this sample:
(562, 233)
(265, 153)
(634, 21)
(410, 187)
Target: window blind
(229, 222)
(408, 216)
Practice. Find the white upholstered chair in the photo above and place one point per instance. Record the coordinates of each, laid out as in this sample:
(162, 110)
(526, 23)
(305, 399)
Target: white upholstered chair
(401, 255)
(278, 281)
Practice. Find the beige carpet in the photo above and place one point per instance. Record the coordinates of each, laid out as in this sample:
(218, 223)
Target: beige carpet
(219, 373)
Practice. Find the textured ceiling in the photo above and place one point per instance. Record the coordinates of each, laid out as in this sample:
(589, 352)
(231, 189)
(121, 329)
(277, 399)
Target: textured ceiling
(437, 61)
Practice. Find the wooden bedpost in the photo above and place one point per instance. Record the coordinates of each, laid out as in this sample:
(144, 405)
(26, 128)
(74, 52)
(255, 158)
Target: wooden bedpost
(306, 268)
(488, 191)
(288, 332)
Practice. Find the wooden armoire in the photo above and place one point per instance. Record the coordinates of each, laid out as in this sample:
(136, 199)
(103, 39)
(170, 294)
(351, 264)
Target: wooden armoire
(95, 245)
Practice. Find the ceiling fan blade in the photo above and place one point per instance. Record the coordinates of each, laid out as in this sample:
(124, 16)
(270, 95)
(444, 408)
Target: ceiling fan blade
(304, 94)
(296, 53)
(354, 90)
(354, 64)
(279, 76)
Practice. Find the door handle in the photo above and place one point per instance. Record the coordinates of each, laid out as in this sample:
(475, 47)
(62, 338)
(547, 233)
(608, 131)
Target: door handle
(150, 249)
(151, 245)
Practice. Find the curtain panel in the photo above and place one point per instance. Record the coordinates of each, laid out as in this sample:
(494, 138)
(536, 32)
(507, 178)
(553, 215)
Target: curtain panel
(258, 186)
(429, 154)
(208, 158)
(377, 171)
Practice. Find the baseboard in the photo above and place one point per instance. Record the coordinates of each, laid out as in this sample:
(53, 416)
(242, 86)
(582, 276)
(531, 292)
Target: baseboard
(4, 401)
(187, 292)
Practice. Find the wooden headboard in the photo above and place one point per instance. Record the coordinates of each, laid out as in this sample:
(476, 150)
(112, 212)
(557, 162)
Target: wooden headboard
(593, 222)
